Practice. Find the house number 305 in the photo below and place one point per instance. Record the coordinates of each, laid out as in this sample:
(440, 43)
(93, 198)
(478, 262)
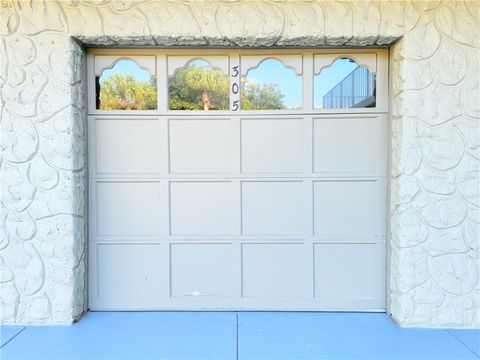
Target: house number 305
(235, 88)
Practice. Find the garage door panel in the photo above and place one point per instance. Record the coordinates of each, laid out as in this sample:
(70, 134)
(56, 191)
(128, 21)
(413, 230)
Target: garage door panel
(352, 271)
(203, 270)
(128, 208)
(272, 145)
(129, 270)
(201, 208)
(348, 145)
(262, 205)
(347, 208)
(199, 145)
(275, 270)
(127, 146)
(272, 207)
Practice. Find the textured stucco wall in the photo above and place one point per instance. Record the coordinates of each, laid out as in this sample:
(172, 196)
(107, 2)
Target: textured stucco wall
(435, 152)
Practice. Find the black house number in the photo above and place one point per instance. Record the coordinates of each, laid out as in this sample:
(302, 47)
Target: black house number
(235, 87)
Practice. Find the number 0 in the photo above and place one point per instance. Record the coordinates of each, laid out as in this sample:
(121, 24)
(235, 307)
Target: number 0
(235, 88)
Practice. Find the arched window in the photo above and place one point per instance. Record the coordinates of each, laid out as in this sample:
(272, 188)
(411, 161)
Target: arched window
(126, 86)
(344, 84)
(198, 86)
(270, 85)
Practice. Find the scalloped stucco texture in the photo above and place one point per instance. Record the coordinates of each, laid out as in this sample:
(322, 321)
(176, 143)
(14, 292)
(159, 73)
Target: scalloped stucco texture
(434, 137)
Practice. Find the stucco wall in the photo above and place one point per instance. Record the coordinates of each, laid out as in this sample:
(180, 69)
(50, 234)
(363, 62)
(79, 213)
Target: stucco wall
(435, 72)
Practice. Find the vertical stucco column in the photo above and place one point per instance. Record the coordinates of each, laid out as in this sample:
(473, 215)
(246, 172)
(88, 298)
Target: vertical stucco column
(42, 245)
(434, 219)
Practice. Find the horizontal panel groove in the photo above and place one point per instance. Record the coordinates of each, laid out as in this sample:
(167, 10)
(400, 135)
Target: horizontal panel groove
(205, 177)
(212, 114)
(132, 117)
(317, 306)
(143, 240)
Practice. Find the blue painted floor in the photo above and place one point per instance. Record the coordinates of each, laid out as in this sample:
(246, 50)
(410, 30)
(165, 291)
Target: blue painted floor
(7, 333)
(231, 335)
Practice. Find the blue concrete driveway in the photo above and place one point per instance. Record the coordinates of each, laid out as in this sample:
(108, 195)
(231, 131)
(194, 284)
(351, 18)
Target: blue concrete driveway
(231, 335)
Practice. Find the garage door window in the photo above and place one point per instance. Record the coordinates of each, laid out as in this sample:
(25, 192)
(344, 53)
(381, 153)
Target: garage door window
(125, 85)
(198, 85)
(247, 81)
(270, 85)
(345, 82)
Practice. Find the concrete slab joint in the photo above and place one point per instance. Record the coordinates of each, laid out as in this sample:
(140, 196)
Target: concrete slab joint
(434, 136)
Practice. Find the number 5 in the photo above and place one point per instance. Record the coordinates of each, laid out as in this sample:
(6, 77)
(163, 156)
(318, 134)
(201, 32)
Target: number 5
(235, 105)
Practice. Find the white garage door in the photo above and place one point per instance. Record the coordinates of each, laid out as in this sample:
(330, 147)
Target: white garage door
(246, 180)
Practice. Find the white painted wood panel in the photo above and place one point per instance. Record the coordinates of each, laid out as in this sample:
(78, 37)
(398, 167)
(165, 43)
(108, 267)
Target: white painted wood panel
(272, 207)
(272, 145)
(128, 270)
(203, 270)
(352, 271)
(347, 144)
(346, 208)
(200, 207)
(127, 146)
(128, 208)
(199, 145)
(274, 270)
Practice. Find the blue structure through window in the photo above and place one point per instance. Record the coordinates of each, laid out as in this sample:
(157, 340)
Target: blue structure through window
(355, 90)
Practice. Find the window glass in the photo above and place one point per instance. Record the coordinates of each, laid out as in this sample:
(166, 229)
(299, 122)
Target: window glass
(271, 86)
(198, 86)
(126, 86)
(344, 84)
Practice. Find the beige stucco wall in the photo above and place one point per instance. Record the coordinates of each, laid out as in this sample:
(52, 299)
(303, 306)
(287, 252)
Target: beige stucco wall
(435, 72)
